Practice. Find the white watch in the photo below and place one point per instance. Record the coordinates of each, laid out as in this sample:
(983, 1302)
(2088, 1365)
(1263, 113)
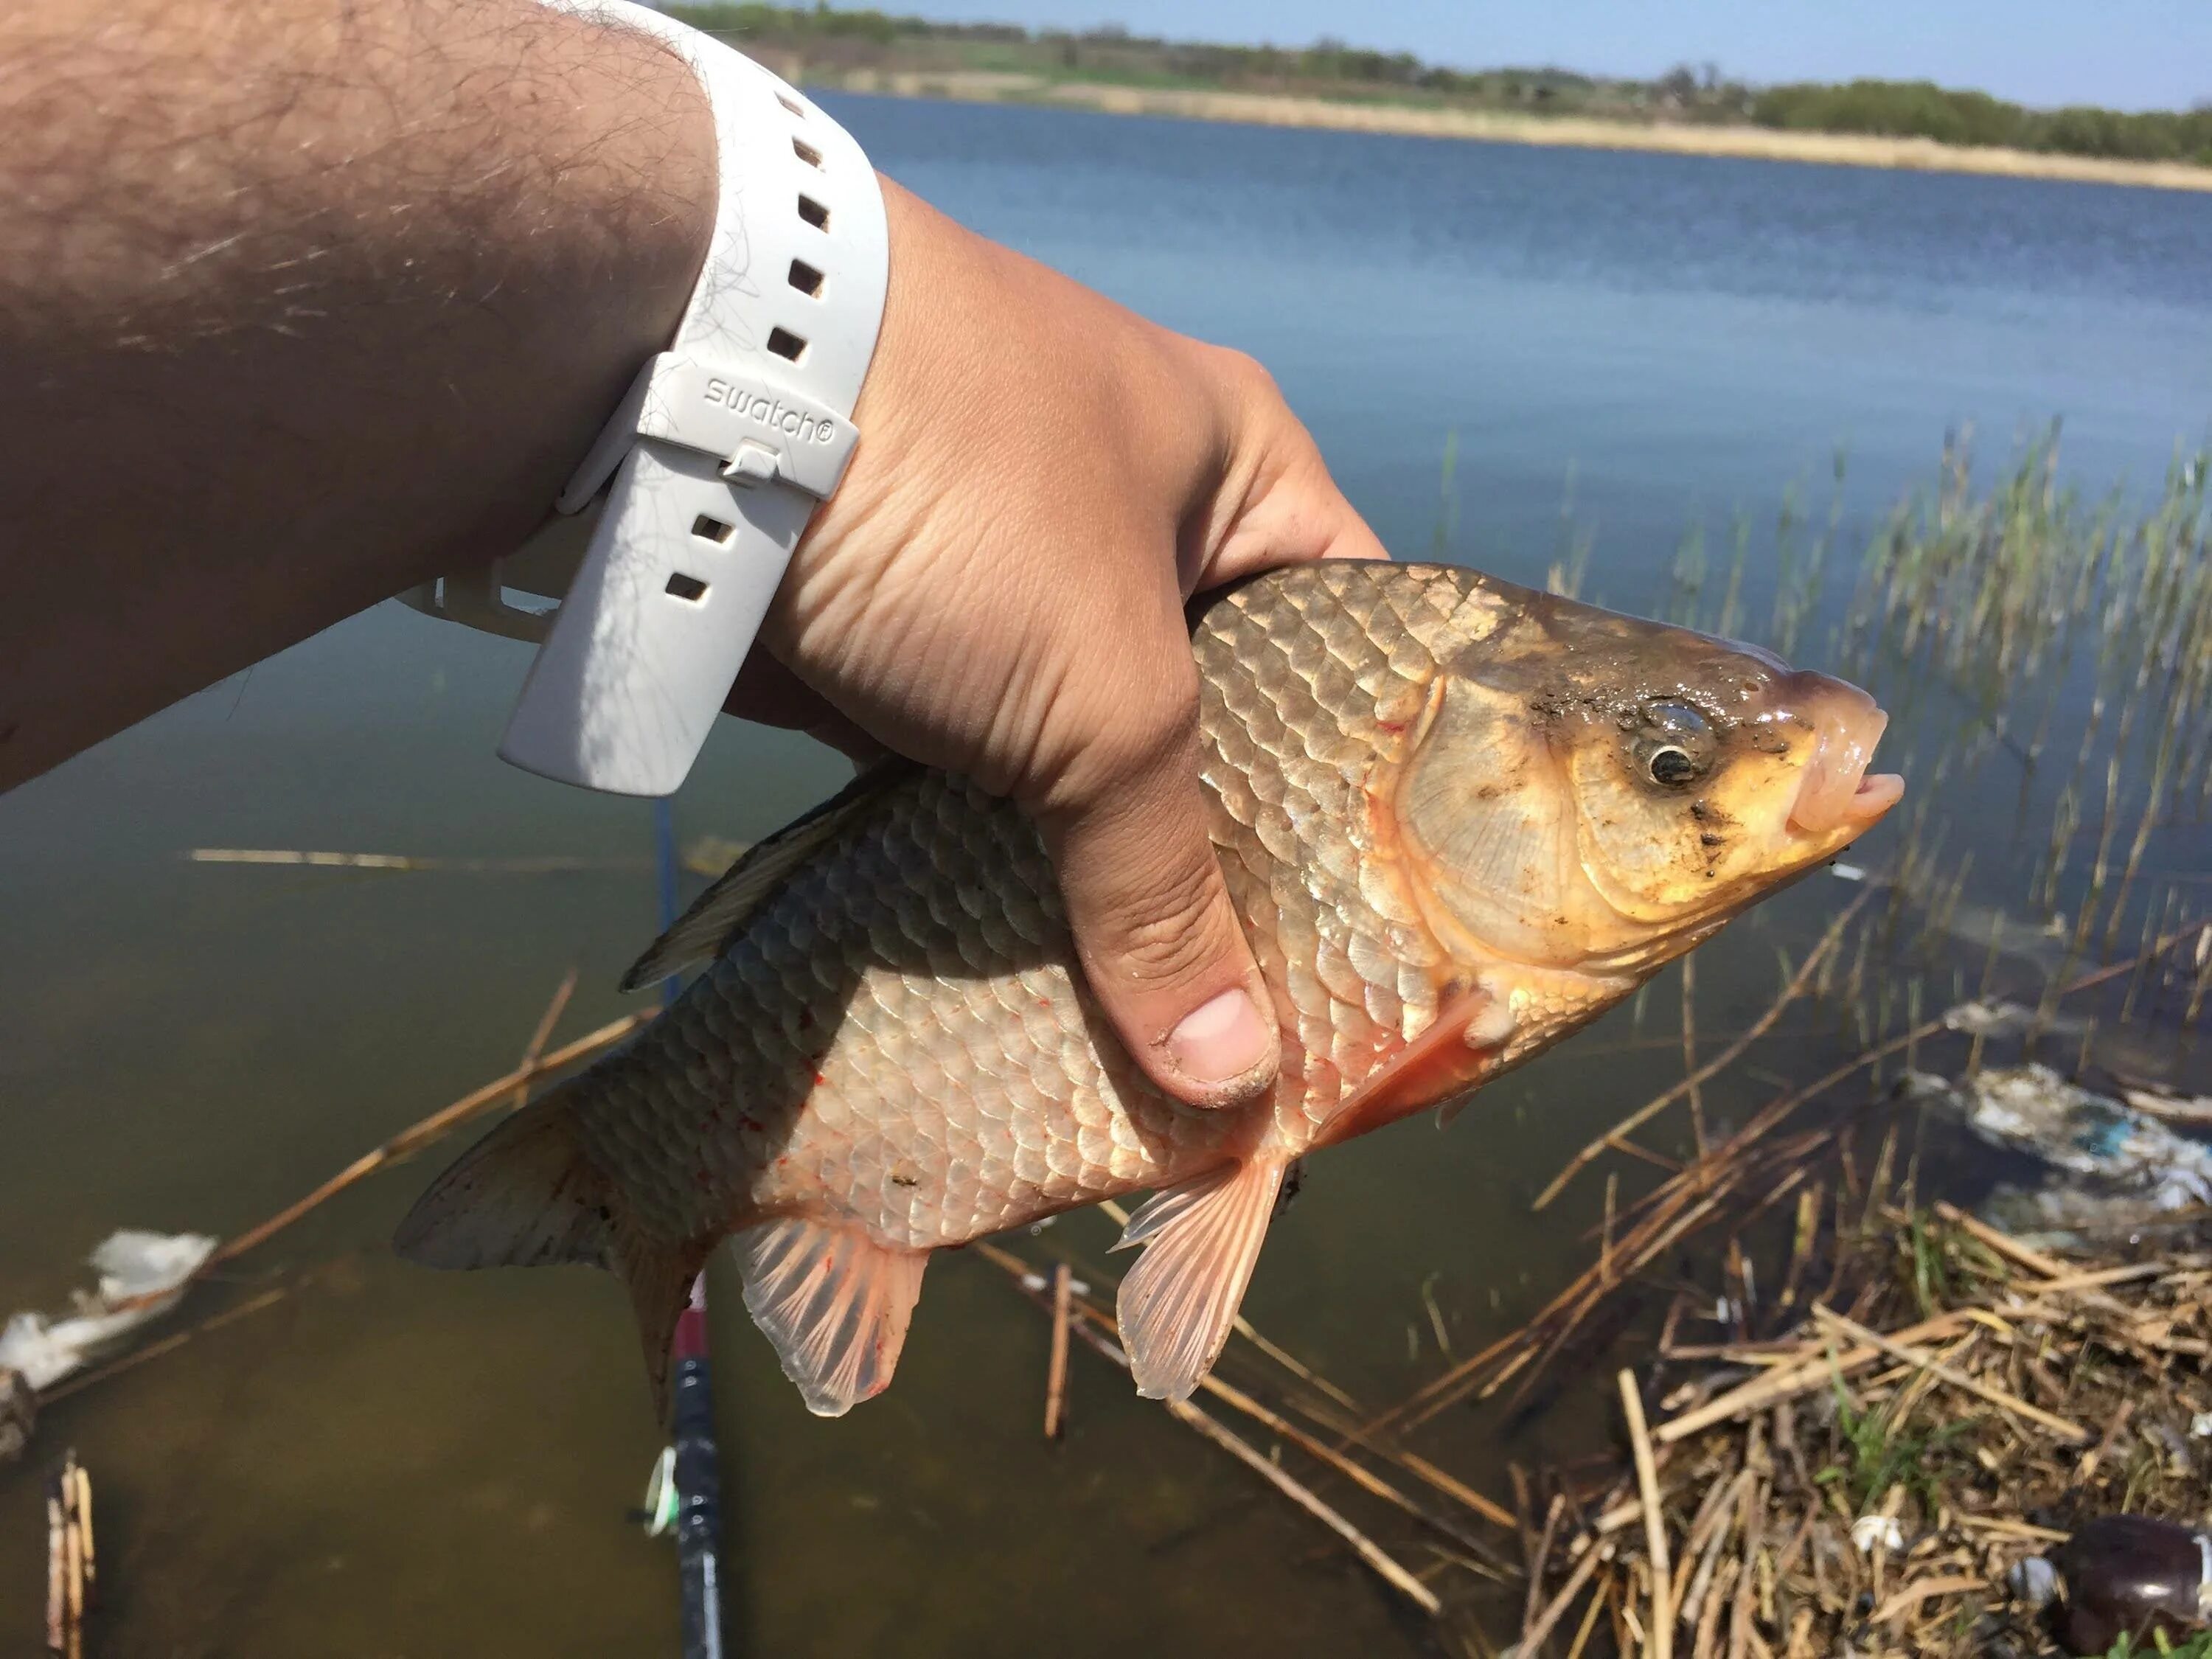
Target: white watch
(717, 457)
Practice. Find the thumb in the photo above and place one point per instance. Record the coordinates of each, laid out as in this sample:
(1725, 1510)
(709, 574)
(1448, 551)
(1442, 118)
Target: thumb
(1156, 934)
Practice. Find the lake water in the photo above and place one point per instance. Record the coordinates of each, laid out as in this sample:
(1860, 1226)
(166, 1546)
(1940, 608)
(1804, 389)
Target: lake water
(393, 1463)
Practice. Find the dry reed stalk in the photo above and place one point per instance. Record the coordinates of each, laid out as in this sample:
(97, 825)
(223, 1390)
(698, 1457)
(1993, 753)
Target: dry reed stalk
(2073, 1432)
(1935, 1597)
(80, 1481)
(1383, 1564)
(1542, 1553)
(138, 1356)
(1056, 1381)
(1086, 1315)
(1359, 1474)
(1534, 1631)
(1712, 1177)
(1803, 1378)
(1694, 1093)
(1387, 1568)
(500, 1091)
(57, 1576)
(1597, 1605)
(1655, 1525)
(1243, 1327)
(554, 864)
(1617, 1135)
(72, 1555)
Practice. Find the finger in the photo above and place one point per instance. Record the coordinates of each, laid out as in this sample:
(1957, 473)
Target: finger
(1278, 504)
(768, 692)
(1156, 934)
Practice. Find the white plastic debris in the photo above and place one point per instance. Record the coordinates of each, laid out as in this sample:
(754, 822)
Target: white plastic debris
(2200, 1426)
(2033, 1582)
(1870, 1531)
(1847, 872)
(131, 1265)
(1987, 1017)
(2109, 1167)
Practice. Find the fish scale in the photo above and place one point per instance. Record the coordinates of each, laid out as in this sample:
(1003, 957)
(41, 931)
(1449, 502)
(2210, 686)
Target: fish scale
(892, 1050)
(1015, 1111)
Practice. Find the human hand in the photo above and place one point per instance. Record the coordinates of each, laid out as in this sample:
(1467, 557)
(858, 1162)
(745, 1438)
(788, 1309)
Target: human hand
(1042, 480)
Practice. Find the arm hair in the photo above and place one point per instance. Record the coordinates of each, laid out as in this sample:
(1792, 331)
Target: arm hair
(304, 301)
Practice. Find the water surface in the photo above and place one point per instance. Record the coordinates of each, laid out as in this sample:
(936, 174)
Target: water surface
(395, 1463)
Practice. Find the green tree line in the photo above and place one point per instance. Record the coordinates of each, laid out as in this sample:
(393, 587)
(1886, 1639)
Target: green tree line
(1920, 109)
(832, 39)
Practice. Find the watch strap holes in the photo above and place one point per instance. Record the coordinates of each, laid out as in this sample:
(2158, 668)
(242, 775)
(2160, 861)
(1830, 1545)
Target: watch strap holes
(786, 345)
(807, 279)
(791, 104)
(709, 530)
(806, 152)
(688, 587)
(814, 213)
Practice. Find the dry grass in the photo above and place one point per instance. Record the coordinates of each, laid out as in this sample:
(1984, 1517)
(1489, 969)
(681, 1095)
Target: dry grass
(1838, 1489)
(1755, 144)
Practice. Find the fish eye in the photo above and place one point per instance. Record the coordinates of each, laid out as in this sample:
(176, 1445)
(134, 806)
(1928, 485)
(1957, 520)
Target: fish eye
(1680, 721)
(1674, 744)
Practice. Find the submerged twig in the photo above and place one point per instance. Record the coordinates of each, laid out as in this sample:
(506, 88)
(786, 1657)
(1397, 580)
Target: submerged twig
(1798, 984)
(1655, 1530)
(1055, 1380)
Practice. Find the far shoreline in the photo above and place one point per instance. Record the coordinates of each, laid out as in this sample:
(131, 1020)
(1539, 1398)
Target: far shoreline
(1742, 143)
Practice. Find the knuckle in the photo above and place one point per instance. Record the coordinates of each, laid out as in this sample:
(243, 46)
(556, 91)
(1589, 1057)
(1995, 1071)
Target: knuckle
(1146, 731)
(1248, 375)
(1168, 929)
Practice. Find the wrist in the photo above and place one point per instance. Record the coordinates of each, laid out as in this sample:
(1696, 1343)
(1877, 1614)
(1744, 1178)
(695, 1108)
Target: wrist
(635, 207)
(998, 384)
(717, 452)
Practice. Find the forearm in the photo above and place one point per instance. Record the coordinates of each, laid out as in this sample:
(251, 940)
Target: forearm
(303, 302)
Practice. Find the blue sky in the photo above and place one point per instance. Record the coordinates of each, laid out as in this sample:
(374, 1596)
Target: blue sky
(2126, 54)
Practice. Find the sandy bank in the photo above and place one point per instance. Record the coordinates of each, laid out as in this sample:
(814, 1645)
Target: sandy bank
(1758, 143)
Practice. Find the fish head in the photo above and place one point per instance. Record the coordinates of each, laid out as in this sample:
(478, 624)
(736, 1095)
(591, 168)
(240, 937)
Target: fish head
(1589, 791)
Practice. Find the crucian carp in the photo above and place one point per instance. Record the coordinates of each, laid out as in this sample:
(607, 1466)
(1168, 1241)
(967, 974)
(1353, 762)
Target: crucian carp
(1459, 819)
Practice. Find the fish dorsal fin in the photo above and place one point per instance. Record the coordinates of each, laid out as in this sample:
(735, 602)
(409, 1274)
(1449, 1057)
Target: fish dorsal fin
(1178, 1303)
(704, 931)
(834, 1302)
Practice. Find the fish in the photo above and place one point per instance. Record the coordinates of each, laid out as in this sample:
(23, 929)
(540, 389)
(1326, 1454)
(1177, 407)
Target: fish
(1459, 819)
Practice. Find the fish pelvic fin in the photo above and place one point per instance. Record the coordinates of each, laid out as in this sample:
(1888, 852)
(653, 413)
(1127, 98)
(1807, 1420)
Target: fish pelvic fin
(1201, 1240)
(526, 1195)
(719, 915)
(834, 1303)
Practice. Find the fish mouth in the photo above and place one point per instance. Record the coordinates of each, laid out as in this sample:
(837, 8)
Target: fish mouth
(1836, 792)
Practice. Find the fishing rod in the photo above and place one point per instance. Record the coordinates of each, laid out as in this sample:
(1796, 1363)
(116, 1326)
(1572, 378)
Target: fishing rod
(688, 1481)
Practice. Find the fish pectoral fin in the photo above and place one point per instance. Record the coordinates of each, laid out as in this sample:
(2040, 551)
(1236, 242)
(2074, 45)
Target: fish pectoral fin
(1442, 1067)
(1201, 1240)
(704, 931)
(834, 1302)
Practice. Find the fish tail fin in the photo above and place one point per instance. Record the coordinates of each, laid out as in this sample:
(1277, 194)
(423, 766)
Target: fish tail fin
(526, 1195)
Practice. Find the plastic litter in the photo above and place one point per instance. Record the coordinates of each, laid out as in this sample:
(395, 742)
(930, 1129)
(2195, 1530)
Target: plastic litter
(2033, 1582)
(19, 1415)
(1870, 1531)
(142, 1275)
(2134, 1577)
(2111, 1167)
